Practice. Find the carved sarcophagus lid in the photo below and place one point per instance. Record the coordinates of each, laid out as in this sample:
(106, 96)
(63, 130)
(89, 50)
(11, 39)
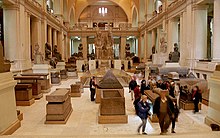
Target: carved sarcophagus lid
(109, 81)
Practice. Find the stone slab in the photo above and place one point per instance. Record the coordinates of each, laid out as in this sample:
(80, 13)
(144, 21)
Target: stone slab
(113, 119)
(76, 94)
(25, 103)
(59, 117)
(59, 95)
(59, 122)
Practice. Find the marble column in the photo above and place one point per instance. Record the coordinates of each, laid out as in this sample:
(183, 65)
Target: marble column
(43, 34)
(172, 34)
(153, 38)
(68, 50)
(16, 23)
(54, 37)
(182, 40)
(36, 34)
(200, 32)
(149, 9)
(216, 33)
(122, 47)
(146, 52)
(49, 35)
(85, 47)
(28, 38)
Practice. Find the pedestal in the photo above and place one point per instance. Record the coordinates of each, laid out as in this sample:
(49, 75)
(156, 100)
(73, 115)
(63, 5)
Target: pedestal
(92, 64)
(160, 58)
(125, 62)
(55, 77)
(79, 64)
(214, 102)
(61, 65)
(9, 121)
(117, 64)
(41, 68)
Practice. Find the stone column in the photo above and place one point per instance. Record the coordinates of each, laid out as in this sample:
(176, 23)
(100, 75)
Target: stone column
(200, 32)
(149, 9)
(216, 33)
(16, 37)
(146, 52)
(54, 37)
(85, 47)
(122, 47)
(68, 47)
(49, 31)
(28, 38)
(182, 40)
(153, 38)
(44, 35)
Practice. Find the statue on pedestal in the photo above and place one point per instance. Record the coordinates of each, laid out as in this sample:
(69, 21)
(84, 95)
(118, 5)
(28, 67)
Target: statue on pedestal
(163, 45)
(110, 43)
(38, 57)
(47, 51)
(98, 44)
(56, 54)
(175, 56)
(127, 51)
(80, 51)
(104, 45)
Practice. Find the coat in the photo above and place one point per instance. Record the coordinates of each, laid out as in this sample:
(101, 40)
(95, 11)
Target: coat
(143, 109)
(170, 106)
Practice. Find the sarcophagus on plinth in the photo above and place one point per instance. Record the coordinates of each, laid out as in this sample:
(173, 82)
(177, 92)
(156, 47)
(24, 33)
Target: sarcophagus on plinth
(59, 107)
(110, 94)
(75, 90)
(55, 77)
(23, 95)
(81, 86)
(63, 74)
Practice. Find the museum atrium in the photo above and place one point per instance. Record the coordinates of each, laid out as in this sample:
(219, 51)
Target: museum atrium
(55, 55)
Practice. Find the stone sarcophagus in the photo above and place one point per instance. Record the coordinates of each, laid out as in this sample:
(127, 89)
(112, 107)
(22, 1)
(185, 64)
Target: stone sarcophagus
(75, 90)
(63, 74)
(59, 107)
(112, 103)
(55, 77)
(23, 95)
(110, 94)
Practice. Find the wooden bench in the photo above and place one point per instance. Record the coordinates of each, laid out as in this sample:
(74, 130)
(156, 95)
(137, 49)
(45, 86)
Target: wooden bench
(45, 82)
(59, 107)
(36, 86)
(23, 95)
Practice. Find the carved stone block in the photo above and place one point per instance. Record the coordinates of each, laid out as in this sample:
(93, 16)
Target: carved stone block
(59, 95)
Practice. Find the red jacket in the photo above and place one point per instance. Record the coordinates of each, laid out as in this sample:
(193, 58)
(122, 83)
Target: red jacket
(137, 93)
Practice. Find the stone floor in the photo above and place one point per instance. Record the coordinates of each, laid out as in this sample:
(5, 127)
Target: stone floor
(83, 121)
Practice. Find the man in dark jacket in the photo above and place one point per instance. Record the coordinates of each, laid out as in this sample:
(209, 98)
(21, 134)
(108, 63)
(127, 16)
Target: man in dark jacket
(132, 85)
(164, 109)
(92, 85)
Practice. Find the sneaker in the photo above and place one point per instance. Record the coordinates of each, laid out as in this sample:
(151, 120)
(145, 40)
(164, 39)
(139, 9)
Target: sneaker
(144, 133)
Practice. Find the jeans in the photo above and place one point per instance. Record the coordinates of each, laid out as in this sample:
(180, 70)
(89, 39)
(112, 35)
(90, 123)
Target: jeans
(132, 94)
(143, 125)
(92, 95)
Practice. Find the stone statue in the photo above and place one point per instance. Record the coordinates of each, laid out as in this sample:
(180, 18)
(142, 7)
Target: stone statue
(98, 44)
(110, 43)
(38, 57)
(163, 45)
(56, 54)
(47, 51)
(80, 51)
(127, 51)
(104, 45)
(4, 67)
(175, 56)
